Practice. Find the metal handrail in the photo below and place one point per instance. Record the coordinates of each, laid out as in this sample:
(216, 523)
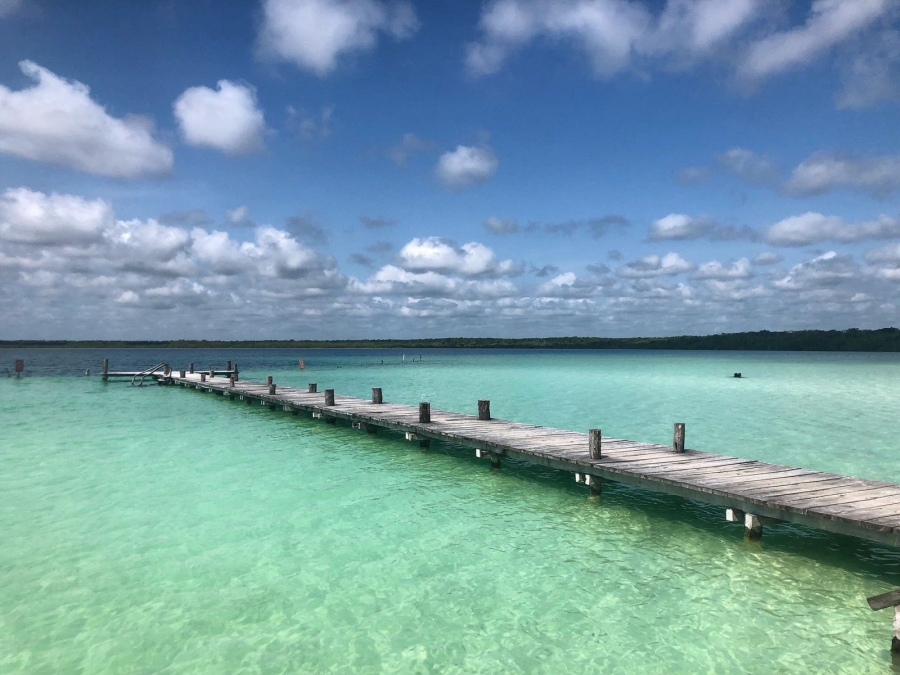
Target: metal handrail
(145, 373)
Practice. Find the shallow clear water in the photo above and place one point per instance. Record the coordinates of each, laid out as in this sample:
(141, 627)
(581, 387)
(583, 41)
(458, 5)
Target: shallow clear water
(159, 530)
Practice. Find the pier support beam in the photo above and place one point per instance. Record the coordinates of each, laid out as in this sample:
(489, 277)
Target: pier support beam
(753, 524)
(484, 410)
(376, 395)
(883, 601)
(678, 439)
(424, 413)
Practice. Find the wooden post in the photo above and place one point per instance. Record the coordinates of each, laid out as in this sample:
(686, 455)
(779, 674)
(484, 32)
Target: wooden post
(230, 381)
(594, 443)
(752, 526)
(235, 372)
(312, 387)
(376, 395)
(678, 439)
(203, 377)
(424, 413)
(484, 410)
(104, 370)
(329, 397)
(271, 390)
(595, 485)
(228, 365)
(191, 367)
(269, 380)
(181, 374)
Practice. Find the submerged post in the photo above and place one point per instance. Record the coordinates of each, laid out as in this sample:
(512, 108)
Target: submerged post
(889, 599)
(312, 387)
(329, 397)
(594, 443)
(678, 439)
(271, 390)
(104, 370)
(424, 413)
(376, 395)
(484, 410)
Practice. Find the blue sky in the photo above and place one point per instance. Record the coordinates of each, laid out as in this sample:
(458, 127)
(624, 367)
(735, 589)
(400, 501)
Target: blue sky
(356, 168)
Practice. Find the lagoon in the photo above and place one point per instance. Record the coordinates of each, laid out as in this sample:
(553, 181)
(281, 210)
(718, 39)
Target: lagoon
(153, 530)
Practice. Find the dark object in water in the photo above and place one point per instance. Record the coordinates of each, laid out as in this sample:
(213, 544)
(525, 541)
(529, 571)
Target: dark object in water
(737, 375)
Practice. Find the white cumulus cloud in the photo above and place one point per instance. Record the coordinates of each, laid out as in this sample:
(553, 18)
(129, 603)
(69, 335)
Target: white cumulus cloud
(31, 217)
(57, 121)
(466, 166)
(434, 254)
(314, 34)
(227, 118)
(823, 172)
(813, 227)
(649, 266)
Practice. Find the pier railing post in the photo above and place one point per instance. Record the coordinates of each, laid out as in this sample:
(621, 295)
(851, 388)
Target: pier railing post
(104, 370)
(678, 439)
(484, 410)
(376, 395)
(191, 367)
(329, 397)
(271, 390)
(594, 443)
(312, 387)
(424, 413)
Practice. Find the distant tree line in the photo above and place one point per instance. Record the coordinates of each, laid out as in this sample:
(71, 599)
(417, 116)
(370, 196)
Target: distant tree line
(851, 340)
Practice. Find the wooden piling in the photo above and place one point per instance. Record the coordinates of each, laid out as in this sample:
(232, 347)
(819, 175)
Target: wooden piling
(269, 380)
(484, 410)
(312, 387)
(678, 439)
(376, 395)
(191, 367)
(329, 397)
(235, 371)
(271, 389)
(594, 443)
(203, 377)
(424, 413)
(228, 365)
(181, 374)
(595, 484)
(230, 380)
(752, 526)
(104, 370)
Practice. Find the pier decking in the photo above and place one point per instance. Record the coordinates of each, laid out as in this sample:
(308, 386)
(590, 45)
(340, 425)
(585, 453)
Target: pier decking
(752, 492)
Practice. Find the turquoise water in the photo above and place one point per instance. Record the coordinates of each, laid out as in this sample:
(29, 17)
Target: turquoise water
(159, 530)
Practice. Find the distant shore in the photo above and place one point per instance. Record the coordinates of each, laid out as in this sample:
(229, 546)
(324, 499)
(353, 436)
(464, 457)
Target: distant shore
(851, 340)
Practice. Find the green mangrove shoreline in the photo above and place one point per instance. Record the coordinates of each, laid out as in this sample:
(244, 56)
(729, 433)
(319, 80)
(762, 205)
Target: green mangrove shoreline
(850, 340)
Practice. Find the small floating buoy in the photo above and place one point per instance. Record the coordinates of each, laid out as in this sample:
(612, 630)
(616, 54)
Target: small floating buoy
(737, 375)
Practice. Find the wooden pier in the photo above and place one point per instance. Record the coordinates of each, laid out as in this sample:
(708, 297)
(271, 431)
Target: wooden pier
(752, 492)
